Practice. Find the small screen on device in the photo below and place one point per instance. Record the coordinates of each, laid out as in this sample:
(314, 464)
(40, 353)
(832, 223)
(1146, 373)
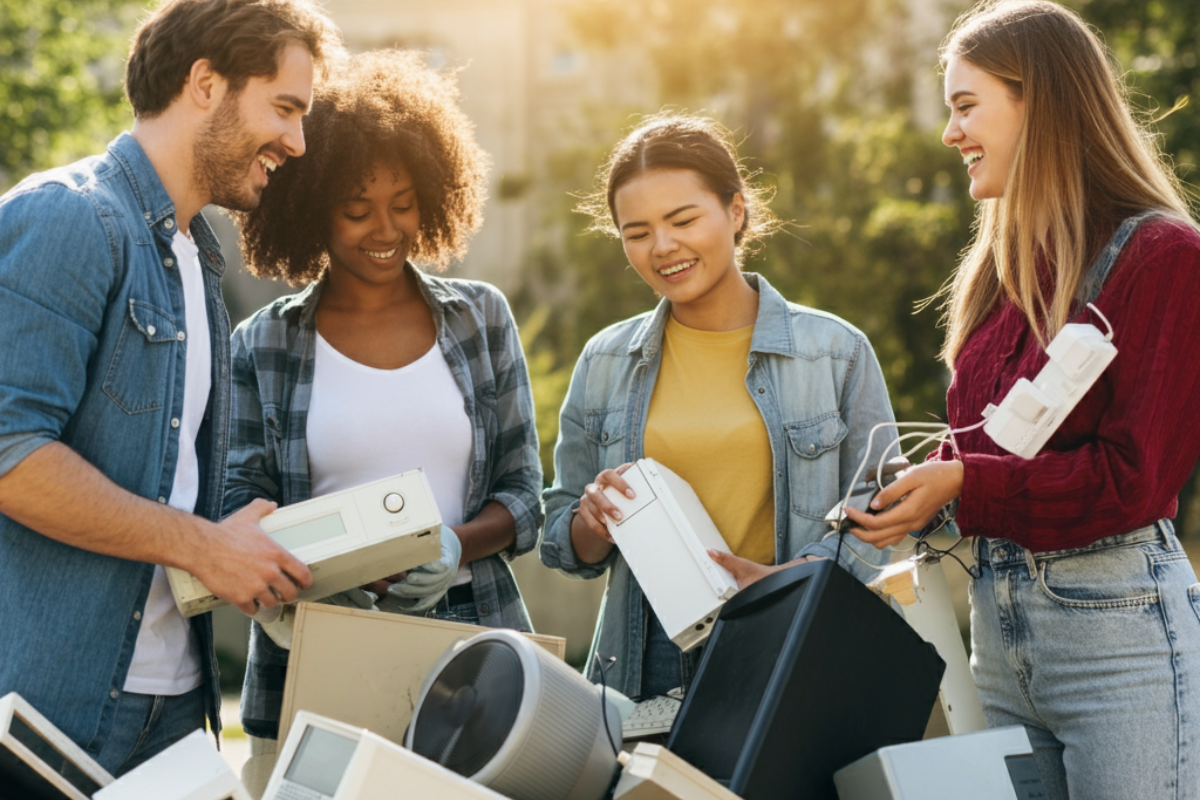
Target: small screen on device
(302, 534)
(320, 760)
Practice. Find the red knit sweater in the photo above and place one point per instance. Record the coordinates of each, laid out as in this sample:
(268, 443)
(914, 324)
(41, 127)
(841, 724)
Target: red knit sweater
(1120, 458)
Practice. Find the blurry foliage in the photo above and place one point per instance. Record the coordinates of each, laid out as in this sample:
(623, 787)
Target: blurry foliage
(821, 95)
(61, 66)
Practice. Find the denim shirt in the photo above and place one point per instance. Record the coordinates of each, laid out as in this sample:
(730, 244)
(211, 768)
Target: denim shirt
(819, 389)
(93, 324)
(274, 358)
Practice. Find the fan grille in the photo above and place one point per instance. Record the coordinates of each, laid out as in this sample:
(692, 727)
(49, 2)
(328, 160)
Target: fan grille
(470, 709)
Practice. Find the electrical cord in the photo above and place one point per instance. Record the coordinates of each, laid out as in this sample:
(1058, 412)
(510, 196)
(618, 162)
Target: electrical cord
(604, 700)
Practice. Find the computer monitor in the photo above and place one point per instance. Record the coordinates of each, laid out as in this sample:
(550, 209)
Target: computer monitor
(38, 761)
(324, 759)
(805, 671)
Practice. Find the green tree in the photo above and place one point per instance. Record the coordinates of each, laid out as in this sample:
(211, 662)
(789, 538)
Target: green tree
(61, 63)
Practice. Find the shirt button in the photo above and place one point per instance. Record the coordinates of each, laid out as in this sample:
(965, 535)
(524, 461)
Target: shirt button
(137, 615)
(605, 437)
(162, 499)
(150, 329)
(169, 224)
(114, 694)
(181, 336)
(175, 422)
(483, 608)
(812, 448)
(168, 262)
(762, 390)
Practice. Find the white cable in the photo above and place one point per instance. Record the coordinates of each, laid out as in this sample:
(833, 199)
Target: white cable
(1108, 336)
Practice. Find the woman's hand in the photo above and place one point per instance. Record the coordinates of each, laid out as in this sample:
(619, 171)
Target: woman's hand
(589, 531)
(917, 495)
(746, 572)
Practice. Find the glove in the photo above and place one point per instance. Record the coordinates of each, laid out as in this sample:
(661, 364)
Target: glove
(425, 585)
(278, 621)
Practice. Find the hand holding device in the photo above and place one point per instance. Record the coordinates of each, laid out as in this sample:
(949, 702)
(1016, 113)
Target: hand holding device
(240, 563)
(595, 508)
(425, 585)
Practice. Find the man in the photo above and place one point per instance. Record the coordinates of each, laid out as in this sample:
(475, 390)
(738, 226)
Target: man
(114, 382)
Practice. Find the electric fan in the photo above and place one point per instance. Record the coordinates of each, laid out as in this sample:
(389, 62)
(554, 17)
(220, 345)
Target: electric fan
(505, 713)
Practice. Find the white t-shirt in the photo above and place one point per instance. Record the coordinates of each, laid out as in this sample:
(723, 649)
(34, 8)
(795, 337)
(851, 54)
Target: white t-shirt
(365, 424)
(166, 658)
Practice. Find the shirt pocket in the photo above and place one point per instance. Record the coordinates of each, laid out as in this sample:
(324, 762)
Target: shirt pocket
(605, 429)
(813, 463)
(141, 364)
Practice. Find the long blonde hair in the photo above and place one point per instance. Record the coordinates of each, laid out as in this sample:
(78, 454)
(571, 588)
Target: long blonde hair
(1081, 165)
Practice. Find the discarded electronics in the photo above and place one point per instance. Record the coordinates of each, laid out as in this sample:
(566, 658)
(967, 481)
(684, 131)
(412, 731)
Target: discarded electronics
(40, 762)
(653, 772)
(190, 769)
(663, 534)
(918, 585)
(798, 679)
(994, 764)
(324, 759)
(505, 713)
(347, 538)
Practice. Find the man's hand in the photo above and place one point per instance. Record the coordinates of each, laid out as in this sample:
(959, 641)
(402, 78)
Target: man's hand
(238, 562)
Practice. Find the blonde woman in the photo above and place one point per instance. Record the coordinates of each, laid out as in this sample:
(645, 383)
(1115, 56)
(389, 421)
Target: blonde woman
(1084, 615)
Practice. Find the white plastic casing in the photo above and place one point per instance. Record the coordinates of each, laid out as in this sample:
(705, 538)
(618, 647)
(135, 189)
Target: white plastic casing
(377, 768)
(1033, 410)
(190, 769)
(347, 538)
(663, 535)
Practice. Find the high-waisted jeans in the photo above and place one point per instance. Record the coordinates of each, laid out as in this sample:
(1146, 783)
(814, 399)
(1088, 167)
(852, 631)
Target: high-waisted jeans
(1095, 650)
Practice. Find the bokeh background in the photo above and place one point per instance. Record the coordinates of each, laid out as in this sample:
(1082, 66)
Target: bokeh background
(837, 105)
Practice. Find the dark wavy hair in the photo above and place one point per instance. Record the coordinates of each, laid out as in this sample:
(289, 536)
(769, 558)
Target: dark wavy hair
(242, 39)
(384, 107)
(674, 140)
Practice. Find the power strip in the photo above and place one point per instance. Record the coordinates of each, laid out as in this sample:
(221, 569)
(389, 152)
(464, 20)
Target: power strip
(1032, 411)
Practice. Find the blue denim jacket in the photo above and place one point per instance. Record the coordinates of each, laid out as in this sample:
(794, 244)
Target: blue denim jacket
(90, 307)
(274, 358)
(819, 389)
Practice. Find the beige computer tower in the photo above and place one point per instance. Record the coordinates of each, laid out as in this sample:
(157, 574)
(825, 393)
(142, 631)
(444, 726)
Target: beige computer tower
(365, 668)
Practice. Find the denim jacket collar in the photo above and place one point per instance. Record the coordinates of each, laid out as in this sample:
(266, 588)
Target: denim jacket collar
(158, 209)
(772, 333)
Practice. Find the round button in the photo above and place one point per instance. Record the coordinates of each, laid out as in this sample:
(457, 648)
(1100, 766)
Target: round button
(170, 223)
(175, 422)
(812, 448)
(181, 336)
(114, 694)
(150, 329)
(168, 262)
(137, 615)
(393, 502)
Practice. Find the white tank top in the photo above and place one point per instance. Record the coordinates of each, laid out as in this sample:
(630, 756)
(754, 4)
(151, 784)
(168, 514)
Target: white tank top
(166, 657)
(365, 424)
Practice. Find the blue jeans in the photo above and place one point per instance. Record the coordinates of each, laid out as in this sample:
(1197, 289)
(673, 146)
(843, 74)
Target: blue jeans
(1096, 651)
(457, 606)
(146, 725)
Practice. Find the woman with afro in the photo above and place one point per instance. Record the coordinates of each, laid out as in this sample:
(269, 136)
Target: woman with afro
(377, 367)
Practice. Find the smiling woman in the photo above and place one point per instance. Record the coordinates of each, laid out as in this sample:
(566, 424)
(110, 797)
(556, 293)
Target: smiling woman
(764, 407)
(377, 367)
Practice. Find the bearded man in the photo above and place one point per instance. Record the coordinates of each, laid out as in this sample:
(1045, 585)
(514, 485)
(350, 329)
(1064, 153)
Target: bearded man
(114, 382)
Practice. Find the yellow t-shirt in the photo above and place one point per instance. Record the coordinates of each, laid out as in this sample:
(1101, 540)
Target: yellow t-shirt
(704, 426)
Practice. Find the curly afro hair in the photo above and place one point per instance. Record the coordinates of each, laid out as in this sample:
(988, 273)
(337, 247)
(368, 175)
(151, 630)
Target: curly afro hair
(385, 107)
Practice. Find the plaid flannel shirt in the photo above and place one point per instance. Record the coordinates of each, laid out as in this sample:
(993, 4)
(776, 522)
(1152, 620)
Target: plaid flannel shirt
(273, 365)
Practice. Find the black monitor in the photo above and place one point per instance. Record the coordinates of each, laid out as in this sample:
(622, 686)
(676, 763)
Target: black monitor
(805, 671)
